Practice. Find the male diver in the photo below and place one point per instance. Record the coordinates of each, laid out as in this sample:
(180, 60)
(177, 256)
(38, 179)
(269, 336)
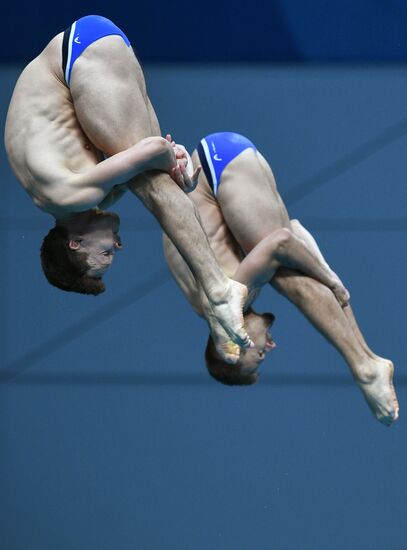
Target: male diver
(255, 242)
(80, 130)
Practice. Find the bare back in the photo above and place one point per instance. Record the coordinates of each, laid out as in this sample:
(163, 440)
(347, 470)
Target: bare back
(44, 140)
(52, 131)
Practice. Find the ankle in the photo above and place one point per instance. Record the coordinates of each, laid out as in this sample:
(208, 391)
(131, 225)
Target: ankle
(219, 293)
(365, 372)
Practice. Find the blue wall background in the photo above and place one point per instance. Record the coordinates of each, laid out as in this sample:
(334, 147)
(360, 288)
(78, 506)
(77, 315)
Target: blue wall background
(112, 436)
(238, 31)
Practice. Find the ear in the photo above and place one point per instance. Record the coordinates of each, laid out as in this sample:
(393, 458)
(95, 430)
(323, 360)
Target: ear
(74, 245)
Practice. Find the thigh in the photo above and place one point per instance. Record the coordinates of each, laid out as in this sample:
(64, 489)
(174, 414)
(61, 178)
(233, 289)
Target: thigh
(249, 200)
(155, 125)
(109, 96)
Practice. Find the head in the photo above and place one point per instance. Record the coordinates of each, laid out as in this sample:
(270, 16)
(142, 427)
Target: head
(78, 251)
(244, 372)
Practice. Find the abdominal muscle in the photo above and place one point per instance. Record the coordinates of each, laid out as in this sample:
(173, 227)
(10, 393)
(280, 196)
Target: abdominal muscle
(227, 251)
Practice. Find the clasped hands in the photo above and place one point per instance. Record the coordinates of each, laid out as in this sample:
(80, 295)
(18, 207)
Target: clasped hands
(183, 172)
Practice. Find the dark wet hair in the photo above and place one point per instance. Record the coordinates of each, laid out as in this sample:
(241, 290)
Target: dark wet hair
(66, 268)
(223, 372)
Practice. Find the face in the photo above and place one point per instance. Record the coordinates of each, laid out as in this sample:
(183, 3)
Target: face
(98, 237)
(258, 326)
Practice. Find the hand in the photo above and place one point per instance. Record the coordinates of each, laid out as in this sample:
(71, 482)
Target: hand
(181, 177)
(183, 173)
(180, 152)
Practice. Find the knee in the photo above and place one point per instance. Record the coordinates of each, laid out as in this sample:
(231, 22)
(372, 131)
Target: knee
(282, 239)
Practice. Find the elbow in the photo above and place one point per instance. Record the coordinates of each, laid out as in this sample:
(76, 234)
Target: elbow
(158, 152)
(158, 145)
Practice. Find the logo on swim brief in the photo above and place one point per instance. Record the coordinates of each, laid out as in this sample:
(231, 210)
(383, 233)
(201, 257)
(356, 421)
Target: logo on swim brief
(216, 157)
(76, 39)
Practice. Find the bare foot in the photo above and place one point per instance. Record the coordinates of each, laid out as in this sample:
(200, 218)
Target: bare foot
(228, 310)
(228, 350)
(377, 387)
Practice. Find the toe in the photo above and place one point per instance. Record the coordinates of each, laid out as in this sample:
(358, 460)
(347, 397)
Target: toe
(244, 340)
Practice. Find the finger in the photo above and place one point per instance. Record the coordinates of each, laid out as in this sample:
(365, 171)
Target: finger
(177, 177)
(187, 180)
(175, 174)
(194, 179)
(182, 148)
(170, 140)
(183, 168)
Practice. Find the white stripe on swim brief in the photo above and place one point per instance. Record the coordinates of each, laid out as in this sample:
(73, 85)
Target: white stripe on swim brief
(210, 164)
(68, 62)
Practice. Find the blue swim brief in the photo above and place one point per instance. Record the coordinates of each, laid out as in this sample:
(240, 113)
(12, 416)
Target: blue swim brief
(216, 151)
(81, 34)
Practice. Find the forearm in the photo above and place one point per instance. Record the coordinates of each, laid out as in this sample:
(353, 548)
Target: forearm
(156, 158)
(153, 153)
(260, 265)
(91, 188)
(281, 248)
(294, 254)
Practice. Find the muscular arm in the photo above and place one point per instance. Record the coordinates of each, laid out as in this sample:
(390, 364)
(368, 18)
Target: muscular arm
(283, 248)
(91, 188)
(186, 178)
